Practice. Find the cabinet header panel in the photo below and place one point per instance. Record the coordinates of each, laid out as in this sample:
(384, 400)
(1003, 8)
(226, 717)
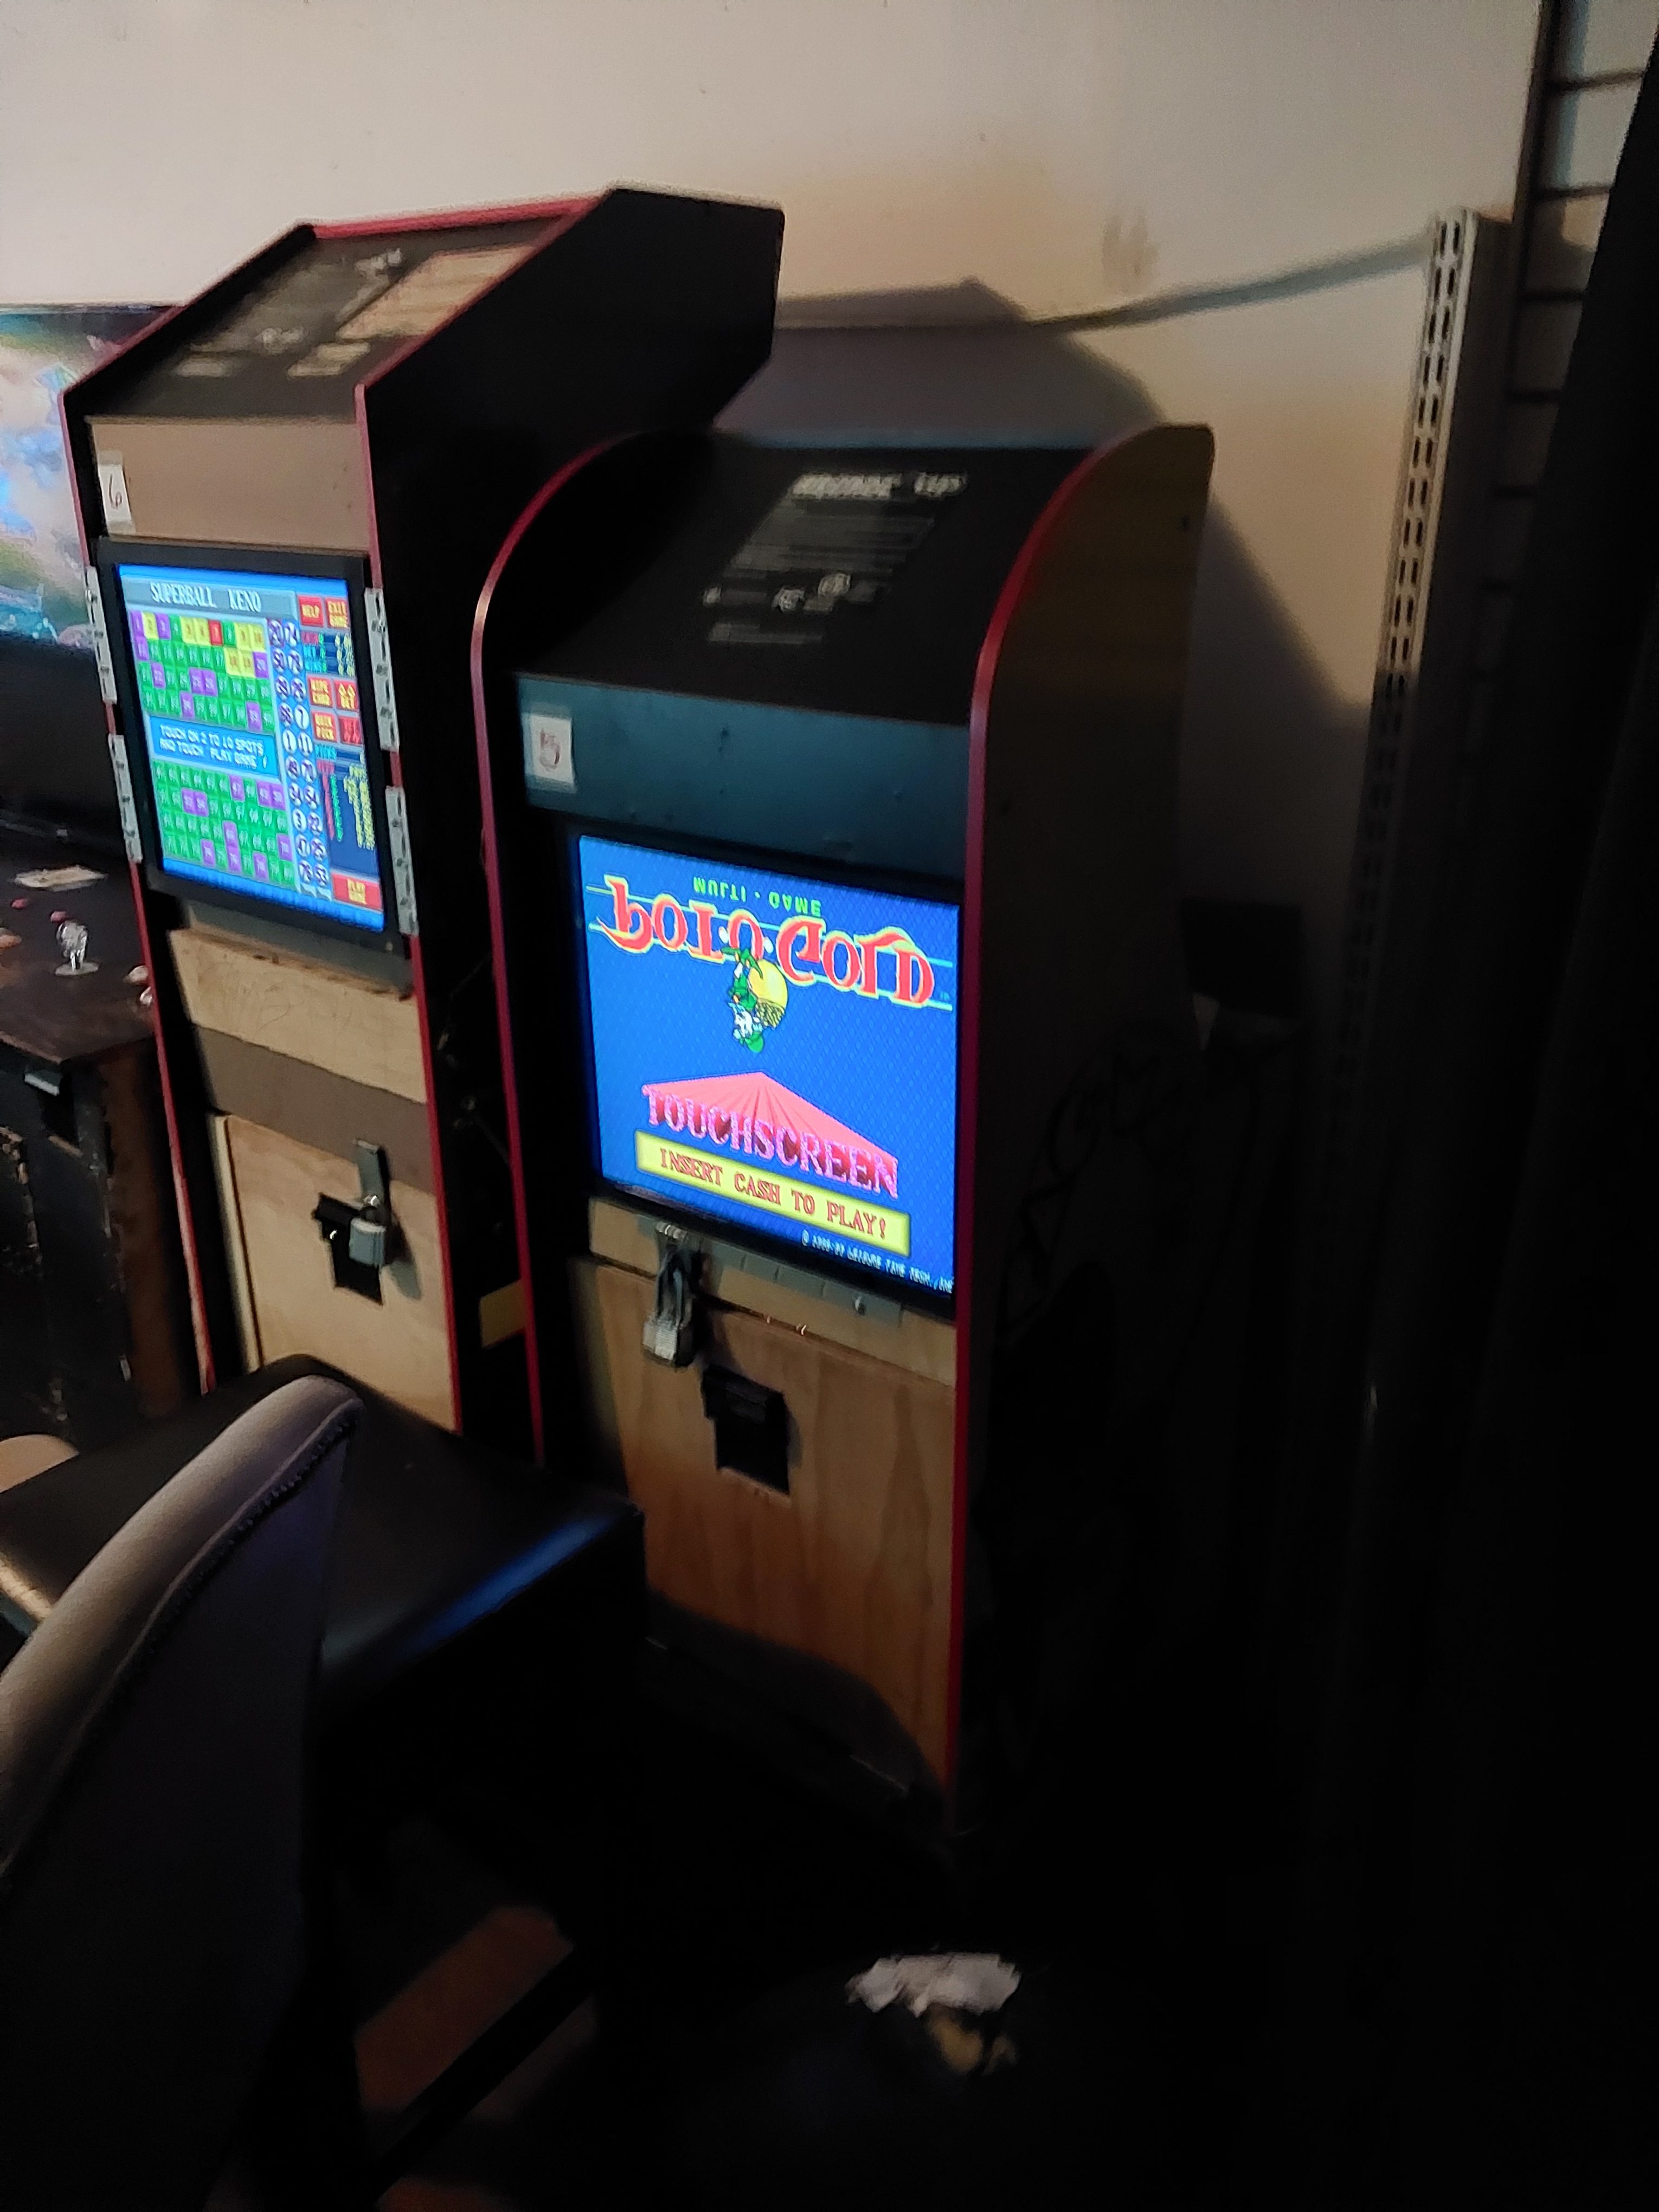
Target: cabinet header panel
(850, 581)
(301, 342)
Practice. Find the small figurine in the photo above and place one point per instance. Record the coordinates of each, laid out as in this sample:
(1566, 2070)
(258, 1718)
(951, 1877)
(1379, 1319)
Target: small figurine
(72, 944)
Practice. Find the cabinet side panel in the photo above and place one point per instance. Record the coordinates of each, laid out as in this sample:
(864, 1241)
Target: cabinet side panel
(1080, 1051)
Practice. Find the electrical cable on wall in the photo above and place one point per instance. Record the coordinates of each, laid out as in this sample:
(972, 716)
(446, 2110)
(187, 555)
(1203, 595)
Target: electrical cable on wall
(1409, 252)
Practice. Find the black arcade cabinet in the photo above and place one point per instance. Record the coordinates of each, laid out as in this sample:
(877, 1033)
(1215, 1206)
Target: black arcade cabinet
(831, 799)
(290, 491)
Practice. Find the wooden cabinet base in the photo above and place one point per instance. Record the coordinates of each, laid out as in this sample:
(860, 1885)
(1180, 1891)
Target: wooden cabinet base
(286, 1292)
(851, 1569)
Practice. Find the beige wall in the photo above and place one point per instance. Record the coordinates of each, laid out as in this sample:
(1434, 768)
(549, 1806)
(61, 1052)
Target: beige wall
(1058, 153)
(1056, 150)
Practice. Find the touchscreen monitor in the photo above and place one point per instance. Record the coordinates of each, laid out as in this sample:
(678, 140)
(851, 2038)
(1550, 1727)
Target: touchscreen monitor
(775, 1051)
(254, 733)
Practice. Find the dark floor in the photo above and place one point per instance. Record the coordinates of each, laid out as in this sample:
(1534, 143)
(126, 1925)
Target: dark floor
(741, 2071)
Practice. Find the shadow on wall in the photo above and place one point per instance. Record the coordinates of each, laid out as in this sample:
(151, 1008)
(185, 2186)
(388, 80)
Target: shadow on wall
(1269, 749)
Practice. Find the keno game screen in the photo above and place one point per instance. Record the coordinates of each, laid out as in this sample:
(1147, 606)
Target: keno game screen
(247, 684)
(777, 1052)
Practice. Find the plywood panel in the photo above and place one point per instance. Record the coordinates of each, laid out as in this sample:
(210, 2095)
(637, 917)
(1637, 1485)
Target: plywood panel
(352, 1027)
(242, 484)
(315, 1106)
(401, 1347)
(853, 1566)
(915, 1341)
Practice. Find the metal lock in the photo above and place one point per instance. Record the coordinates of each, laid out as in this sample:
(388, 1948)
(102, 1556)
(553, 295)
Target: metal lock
(370, 1235)
(365, 1238)
(670, 1330)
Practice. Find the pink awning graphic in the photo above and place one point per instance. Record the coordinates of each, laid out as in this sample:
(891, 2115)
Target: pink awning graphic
(751, 1114)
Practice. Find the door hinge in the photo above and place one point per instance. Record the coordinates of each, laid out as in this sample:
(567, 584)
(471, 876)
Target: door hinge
(118, 759)
(100, 637)
(403, 867)
(379, 664)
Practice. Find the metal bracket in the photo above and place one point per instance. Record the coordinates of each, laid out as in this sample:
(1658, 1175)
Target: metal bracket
(99, 636)
(869, 1305)
(118, 762)
(403, 867)
(379, 664)
(364, 1238)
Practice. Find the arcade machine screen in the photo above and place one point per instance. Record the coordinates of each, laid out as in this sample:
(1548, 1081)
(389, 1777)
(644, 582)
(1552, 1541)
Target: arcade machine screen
(776, 1052)
(258, 774)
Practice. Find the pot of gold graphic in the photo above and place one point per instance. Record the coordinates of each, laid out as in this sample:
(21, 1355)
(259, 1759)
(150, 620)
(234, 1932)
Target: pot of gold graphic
(759, 997)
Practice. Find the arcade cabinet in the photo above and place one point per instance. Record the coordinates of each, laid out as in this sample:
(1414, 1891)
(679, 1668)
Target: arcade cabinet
(830, 800)
(290, 491)
(94, 1327)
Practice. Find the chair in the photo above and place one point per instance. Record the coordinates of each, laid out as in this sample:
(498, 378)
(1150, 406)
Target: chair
(153, 1748)
(438, 1537)
(479, 1643)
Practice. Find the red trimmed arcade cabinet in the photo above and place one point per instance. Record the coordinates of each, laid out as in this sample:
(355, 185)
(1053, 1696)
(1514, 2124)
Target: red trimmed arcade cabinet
(290, 491)
(830, 798)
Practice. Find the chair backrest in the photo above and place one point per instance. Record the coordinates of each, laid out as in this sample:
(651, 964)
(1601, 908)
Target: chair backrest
(152, 1820)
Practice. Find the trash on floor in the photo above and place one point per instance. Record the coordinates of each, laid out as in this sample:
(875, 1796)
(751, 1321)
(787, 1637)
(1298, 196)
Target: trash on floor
(962, 1981)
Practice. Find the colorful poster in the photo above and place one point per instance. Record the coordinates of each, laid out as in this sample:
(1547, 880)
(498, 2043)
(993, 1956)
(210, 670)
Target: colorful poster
(777, 1052)
(42, 595)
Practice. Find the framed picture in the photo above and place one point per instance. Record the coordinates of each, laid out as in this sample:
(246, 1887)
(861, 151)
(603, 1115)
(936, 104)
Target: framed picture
(54, 762)
(42, 596)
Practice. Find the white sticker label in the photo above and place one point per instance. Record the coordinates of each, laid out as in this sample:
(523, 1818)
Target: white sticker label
(117, 508)
(549, 755)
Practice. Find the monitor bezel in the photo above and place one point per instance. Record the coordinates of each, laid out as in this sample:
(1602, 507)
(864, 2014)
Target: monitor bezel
(719, 1228)
(352, 568)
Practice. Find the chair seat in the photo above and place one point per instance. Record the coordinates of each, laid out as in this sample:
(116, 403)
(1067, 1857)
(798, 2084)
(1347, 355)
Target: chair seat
(435, 1535)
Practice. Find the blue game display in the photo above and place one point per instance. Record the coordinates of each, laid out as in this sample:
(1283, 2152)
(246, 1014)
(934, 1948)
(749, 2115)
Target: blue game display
(253, 731)
(776, 1052)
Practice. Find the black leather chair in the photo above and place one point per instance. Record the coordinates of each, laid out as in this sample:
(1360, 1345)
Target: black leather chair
(479, 1643)
(153, 1748)
(437, 1536)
